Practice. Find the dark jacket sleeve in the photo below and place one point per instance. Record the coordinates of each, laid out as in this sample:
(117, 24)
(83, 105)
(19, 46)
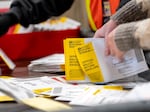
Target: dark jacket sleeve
(36, 11)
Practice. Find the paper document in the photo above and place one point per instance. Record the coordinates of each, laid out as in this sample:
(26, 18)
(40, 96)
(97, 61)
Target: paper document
(138, 93)
(52, 24)
(12, 91)
(14, 88)
(85, 61)
(52, 63)
(11, 65)
(94, 96)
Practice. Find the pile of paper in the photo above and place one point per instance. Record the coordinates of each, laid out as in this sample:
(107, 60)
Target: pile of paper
(33, 91)
(27, 89)
(52, 63)
(56, 87)
(53, 24)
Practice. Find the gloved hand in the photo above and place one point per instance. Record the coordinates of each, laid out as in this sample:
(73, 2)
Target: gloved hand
(7, 20)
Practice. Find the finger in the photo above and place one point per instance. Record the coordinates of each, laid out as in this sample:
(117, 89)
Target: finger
(107, 50)
(112, 52)
(96, 35)
(109, 43)
(99, 34)
(120, 55)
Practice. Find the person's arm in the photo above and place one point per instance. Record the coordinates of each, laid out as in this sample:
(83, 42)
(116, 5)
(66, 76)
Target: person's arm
(134, 34)
(36, 11)
(128, 36)
(28, 12)
(132, 11)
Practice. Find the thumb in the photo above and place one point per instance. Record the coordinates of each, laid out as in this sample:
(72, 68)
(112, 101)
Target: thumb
(99, 34)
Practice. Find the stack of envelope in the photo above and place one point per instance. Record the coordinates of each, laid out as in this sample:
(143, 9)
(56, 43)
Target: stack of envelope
(52, 63)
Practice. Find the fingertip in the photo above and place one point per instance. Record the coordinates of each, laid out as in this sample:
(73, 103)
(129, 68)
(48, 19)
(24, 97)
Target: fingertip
(107, 52)
(120, 57)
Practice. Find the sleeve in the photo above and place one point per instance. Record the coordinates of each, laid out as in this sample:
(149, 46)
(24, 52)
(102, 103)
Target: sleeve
(133, 35)
(132, 11)
(36, 11)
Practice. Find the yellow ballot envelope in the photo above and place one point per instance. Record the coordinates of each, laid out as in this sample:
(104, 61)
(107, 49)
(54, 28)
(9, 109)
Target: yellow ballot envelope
(85, 61)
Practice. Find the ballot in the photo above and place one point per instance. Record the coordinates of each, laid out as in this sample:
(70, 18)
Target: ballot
(85, 61)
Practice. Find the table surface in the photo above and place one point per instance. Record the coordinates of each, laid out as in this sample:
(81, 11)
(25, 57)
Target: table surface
(20, 71)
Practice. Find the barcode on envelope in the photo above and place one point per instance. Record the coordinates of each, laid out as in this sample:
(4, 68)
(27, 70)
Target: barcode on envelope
(139, 55)
(57, 90)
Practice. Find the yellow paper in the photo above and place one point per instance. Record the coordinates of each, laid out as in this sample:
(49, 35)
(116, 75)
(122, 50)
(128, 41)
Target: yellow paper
(39, 91)
(11, 65)
(73, 70)
(6, 98)
(45, 104)
(113, 87)
(6, 77)
(89, 63)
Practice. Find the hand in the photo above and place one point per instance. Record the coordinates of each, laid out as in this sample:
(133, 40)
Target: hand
(3, 25)
(7, 20)
(112, 47)
(105, 29)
